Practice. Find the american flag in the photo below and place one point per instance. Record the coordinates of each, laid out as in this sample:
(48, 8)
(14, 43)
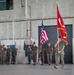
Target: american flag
(43, 35)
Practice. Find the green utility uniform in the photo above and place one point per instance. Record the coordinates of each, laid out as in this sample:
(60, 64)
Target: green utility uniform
(42, 55)
(14, 53)
(49, 54)
(61, 55)
(8, 52)
(3, 56)
(29, 55)
(34, 54)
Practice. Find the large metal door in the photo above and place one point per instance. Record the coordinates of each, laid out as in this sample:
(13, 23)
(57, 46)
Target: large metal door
(52, 32)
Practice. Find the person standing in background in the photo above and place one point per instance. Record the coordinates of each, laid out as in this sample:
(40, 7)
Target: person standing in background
(34, 52)
(42, 54)
(49, 53)
(8, 53)
(3, 56)
(29, 54)
(14, 53)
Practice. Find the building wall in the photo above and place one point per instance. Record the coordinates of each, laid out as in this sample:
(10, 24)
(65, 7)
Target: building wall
(39, 9)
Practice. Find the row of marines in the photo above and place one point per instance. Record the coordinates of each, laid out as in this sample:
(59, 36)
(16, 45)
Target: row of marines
(58, 52)
(7, 55)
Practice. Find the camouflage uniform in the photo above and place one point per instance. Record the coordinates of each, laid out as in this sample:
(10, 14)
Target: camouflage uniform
(3, 56)
(14, 53)
(42, 55)
(8, 52)
(61, 55)
(49, 54)
(29, 55)
(34, 54)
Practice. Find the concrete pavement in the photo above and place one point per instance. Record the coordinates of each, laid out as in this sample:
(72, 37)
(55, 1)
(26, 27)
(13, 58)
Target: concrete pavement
(21, 69)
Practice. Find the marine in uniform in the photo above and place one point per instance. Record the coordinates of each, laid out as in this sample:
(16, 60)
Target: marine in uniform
(4, 49)
(29, 54)
(42, 54)
(59, 52)
(49, 51)
(14, 53)
(8, 53)
(3, 56)
(34, 52)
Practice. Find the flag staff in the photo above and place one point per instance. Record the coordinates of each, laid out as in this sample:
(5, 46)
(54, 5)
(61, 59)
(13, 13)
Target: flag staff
(13, 30)
(61, 26)
(57, 24)
(43, 10)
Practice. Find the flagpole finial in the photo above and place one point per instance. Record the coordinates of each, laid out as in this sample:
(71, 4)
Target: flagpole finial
(42, 18)
(56, 5)
(42, 21)
(56, 2)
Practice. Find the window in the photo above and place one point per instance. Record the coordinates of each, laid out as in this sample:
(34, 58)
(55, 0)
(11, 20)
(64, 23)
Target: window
(6, 5)
(2, 0)
(9, 4)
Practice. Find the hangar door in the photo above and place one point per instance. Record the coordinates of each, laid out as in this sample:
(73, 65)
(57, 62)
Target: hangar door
(52, 33)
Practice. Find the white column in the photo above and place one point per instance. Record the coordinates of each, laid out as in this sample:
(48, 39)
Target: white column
(13, 31)
(7, 35)
(7, 31)
(43, 10)
(26, 14)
